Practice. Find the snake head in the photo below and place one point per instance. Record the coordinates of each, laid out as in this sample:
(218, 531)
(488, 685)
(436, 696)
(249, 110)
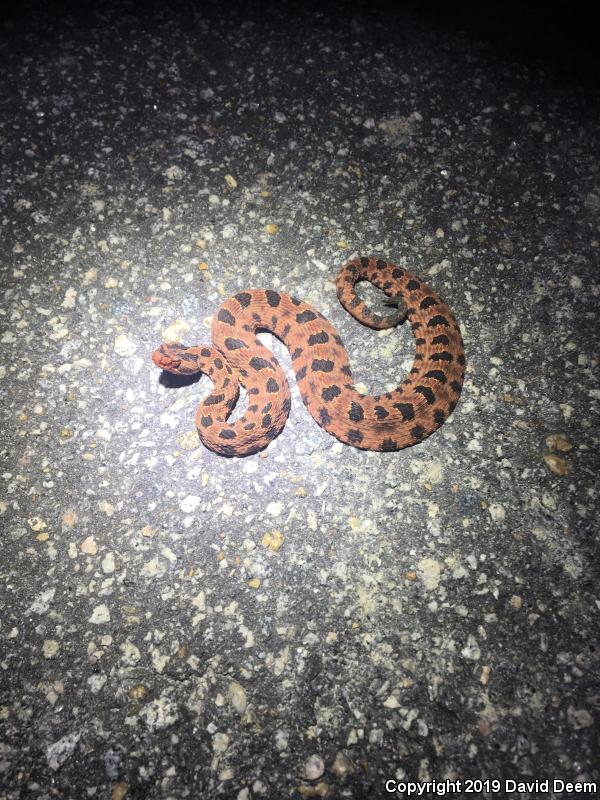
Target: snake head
(175, 358)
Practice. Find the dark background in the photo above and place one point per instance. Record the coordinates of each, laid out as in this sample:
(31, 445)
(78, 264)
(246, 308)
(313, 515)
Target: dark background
(562, 35)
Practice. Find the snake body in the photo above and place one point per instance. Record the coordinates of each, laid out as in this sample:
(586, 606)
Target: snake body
(391, 421)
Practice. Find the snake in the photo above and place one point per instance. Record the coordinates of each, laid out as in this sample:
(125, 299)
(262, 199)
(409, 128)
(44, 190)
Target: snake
(397, 419)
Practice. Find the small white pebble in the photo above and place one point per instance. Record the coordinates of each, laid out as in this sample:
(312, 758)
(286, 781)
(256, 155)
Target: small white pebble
(100, 615)
(275, 509)
(497, 512)
(314, 767)
(190, 503)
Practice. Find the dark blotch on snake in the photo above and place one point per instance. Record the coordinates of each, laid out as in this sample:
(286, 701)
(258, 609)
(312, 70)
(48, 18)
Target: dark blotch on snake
(305, 316)
(428, 302)
(443, 356)
(273, 298)
(355, 436)
(226, 317)
(438, 320)
(259, 363)
(406, 409)
(243, 299)
(330, 392)
(214, 399)
(234, 344)
(322, 365)
(356, 412)
(437, 374)
(324, 416)
(427, 393)
(318, 338)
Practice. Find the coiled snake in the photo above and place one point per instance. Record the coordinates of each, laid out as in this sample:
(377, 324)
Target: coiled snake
(391, 421)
